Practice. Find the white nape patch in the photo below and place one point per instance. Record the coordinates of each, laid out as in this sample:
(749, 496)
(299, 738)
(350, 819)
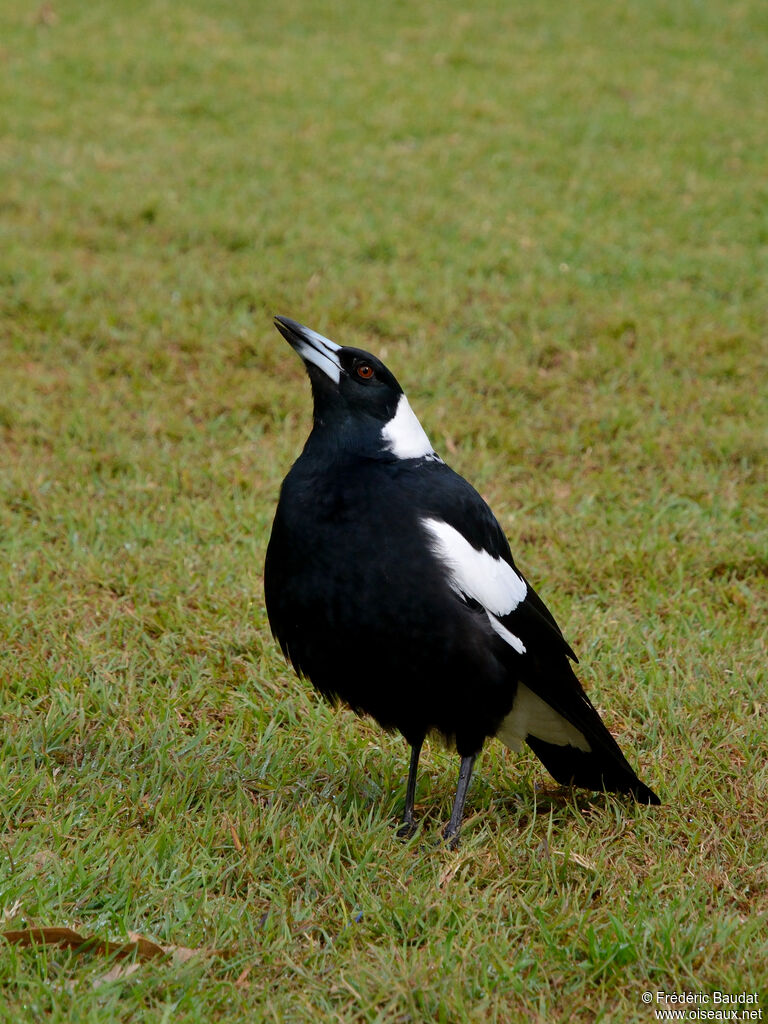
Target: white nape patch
(491, 581)
(504, 633)
(323, 357)
(404, 435)
(532, 716)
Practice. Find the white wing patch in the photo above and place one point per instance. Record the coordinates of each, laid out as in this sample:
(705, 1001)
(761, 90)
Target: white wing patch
(477, 574)
(532, 716)
(505, 634)
(499, 589)
(404, 435)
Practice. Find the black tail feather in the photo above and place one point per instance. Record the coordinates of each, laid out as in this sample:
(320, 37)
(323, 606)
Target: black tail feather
(590, 770)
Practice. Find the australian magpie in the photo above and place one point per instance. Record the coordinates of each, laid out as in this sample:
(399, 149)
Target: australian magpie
(390, 585)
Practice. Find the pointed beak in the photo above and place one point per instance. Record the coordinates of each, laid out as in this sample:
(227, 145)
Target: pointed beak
(311, 346)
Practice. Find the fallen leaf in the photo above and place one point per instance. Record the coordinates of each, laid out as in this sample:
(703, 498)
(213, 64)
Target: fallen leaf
(235, 838)
(242, 978)
(67, 938)
(118, 972)
(180, 954)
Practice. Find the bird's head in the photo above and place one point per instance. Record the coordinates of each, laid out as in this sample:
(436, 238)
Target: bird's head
(359, 405)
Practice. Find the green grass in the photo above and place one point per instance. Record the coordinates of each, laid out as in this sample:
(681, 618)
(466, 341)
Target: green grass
(550, 220)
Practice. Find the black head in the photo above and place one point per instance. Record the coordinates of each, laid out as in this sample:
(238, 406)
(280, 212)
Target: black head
(357, 400)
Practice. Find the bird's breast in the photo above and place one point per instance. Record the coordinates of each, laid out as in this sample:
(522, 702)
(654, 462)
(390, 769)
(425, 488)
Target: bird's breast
(361, 605)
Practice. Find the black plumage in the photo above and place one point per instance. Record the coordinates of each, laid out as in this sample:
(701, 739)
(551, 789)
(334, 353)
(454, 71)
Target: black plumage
(390, 585)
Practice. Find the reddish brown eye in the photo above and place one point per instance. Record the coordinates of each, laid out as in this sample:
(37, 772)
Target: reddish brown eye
(365, 371)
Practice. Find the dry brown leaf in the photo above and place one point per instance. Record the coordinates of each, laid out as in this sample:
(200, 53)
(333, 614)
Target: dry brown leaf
(138, 946)
(235, 838)
(178, 954)
(68, 938)
(118, 972)
(242, 978)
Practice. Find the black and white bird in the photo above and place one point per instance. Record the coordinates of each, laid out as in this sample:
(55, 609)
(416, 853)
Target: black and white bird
(390, 585)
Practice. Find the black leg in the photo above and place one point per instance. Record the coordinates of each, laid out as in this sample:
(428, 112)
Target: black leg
(408, 827)
(451, 830)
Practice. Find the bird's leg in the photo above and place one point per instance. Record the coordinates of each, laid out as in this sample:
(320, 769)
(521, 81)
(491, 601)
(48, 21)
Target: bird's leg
(408, 827)
(451, 830)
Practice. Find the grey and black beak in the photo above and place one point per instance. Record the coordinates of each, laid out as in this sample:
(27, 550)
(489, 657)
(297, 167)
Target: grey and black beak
(311, 346)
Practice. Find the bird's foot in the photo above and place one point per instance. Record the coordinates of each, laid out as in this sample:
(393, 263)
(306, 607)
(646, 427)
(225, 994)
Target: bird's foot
(451, 837)
(407, 829)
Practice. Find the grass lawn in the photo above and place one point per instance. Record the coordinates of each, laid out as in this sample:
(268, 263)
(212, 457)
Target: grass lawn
(551, 221)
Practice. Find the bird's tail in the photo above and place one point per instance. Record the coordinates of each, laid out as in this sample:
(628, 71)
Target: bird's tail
(597, 769)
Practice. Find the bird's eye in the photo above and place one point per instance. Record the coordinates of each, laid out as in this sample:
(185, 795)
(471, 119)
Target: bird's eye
(364, 371)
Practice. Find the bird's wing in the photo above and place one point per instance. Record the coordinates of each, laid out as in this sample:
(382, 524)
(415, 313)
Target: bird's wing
(467, 539)
(468, 542)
